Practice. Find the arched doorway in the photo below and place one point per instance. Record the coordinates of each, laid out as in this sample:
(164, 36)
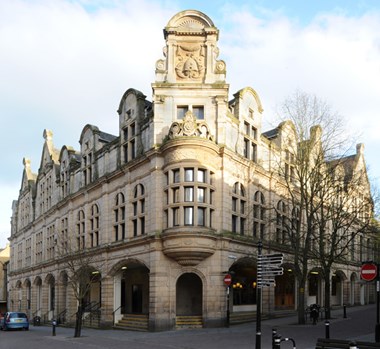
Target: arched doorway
(62, 306)
(28, 288)
(131, 288)
(314, 285)
(244, 282)
(50, 281)
(285, 289)
(189, 295)
(337, 279)
(38, 294)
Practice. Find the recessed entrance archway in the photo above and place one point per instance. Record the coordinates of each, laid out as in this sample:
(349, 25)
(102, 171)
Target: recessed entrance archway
(285, 289)
(189, 295)
(244, 282)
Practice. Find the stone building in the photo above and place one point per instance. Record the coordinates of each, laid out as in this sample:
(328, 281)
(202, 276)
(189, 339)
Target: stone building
(167, 207)
(4, 260)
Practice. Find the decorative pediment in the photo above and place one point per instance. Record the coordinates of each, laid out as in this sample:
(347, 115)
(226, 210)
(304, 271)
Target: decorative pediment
(191, 127)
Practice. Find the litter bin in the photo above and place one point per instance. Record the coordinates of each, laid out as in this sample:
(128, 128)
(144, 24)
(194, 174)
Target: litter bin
(37, 321)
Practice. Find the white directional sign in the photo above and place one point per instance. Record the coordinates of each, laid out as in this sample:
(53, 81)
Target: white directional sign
(268, 267)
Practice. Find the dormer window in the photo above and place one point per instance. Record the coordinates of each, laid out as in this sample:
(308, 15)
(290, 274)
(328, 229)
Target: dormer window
(181, 111)
(197, 110)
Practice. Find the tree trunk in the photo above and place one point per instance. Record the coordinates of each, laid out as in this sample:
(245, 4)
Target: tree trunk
(78, 322)
(301, 303)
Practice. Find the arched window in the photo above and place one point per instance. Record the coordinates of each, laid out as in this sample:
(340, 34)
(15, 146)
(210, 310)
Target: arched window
(281, 222)
(259, 215)
(94, 226)
(238, 208)
(81, 229)
(138, 204)
(119, 217)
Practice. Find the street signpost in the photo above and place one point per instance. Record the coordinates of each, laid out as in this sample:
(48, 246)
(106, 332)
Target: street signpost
(370, 271)
(268, 267)
(227, 281)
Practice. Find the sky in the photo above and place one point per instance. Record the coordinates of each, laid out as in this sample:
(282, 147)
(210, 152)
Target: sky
(67, 63)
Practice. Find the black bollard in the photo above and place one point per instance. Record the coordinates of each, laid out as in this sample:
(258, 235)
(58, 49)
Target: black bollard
(344, 311)
(54, 324)
(276, 342)
(274, 333)
(327, 329)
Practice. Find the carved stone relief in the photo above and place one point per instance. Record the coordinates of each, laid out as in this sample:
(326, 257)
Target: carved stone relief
(190, 61)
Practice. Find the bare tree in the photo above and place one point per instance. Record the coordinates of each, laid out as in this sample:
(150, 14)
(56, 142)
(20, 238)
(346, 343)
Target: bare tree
(316, 139)
(82, 268)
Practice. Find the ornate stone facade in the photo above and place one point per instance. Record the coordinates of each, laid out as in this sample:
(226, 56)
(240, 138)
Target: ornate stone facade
(190, 181)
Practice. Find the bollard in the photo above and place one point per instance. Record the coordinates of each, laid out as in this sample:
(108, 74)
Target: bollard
(327, 329)
(352, 345)
(54, 324)
(276, 342)
(274, 333)
(344, 311)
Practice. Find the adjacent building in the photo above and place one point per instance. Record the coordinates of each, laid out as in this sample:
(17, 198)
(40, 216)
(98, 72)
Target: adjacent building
(163, 210)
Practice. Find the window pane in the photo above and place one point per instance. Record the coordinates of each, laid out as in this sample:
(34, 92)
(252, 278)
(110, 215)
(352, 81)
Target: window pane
(176, 176)
(201, 176)
(198, 112)
(201, 195)
(189, 194)
(175, 194)
(176, 216)
(181, 111)
(189, 215)
(201, 216)
(189, 175)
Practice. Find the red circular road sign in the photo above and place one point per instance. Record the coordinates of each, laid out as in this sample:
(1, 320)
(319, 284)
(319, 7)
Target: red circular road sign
(368, 271)
(227, 279)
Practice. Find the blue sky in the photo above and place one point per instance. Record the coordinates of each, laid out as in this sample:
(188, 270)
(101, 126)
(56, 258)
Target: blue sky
(67, 63)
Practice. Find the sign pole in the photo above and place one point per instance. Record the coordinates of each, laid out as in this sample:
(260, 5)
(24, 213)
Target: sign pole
(258, 311)
(228, 306)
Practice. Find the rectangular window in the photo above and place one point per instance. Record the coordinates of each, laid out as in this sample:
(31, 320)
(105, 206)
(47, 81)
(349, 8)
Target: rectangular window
(125, 133)
(246, 148)
(242, 226)
(133, 130)
(181, 111)
(254, 133)
(134, 227)
(246, 128)
(198, 112)
(234, 204)
(135, 208)
(176, 177)
(142, 225)
(176, 216)
(142, 203)
(201, 216)
(201, 176)
(133, 149)
(234, 223)
(175, 195)
(201, 195)
(254, 152)
(189, 175)
(189, 194)
(189, 215)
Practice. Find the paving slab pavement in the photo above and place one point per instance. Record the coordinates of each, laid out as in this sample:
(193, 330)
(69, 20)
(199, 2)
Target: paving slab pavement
(359, 325)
